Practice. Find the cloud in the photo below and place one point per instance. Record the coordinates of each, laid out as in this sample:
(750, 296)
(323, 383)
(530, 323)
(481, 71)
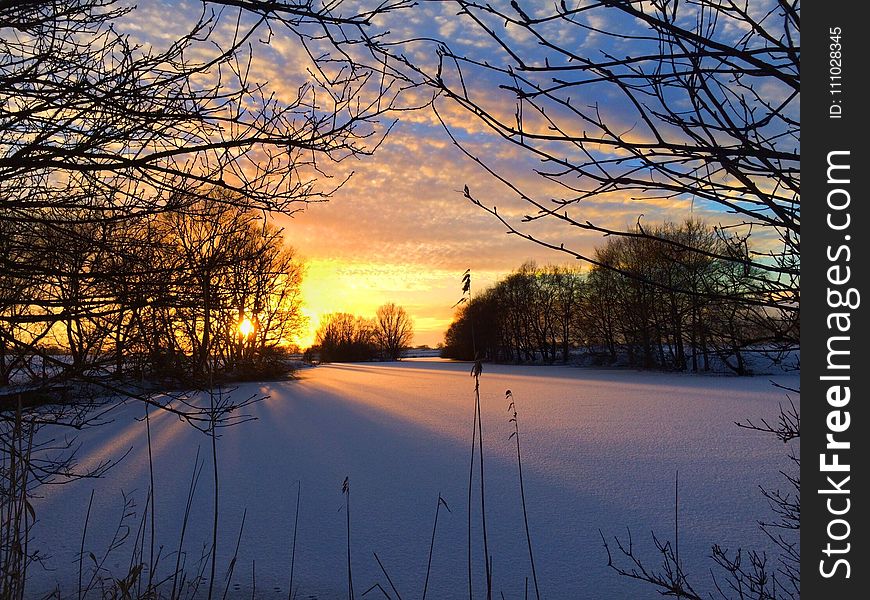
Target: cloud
(400, 229)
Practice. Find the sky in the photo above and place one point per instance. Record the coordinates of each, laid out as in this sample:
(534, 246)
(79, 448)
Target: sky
(400, 229)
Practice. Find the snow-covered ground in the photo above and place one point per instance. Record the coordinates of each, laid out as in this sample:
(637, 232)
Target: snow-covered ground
(600, 450)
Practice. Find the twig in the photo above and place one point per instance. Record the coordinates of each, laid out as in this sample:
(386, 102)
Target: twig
(82, 548)
(345, 489)
(387, 575)
(232, 567)
(295, 531)
(516, 435)
(194, 478)
(432, 543)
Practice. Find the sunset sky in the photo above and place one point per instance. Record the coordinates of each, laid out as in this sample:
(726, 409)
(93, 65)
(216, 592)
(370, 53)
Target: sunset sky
(400, 230)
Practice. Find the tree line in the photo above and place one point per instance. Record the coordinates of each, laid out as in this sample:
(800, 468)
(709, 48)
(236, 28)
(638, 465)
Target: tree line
(135, 178)
(131, 175)
(662, 299)
(160, 296)
(343, 337)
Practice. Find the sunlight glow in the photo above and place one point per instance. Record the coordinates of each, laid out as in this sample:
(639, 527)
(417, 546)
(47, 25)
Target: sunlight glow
(360, 287)
(246, 328)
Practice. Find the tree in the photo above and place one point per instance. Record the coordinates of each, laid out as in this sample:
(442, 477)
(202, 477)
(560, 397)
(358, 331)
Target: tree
(94, 120)
(487, 328)
(263, 285)
(98, 130)
(394, 330)
(103, 143)
(569, 289)
(99, 134)
(641, 104)
(688, 103)
(343, 337)
(224, 265)
(616, 312)
(697, 309)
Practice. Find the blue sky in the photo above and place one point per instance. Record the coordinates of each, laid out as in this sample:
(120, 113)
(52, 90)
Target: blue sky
(400, 229)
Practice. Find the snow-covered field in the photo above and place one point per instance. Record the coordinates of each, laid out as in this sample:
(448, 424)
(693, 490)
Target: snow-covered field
(600, 450)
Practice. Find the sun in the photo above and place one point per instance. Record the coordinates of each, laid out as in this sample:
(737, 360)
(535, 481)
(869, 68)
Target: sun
(246, 328)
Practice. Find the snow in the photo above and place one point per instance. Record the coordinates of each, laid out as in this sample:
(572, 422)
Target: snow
(600, 451)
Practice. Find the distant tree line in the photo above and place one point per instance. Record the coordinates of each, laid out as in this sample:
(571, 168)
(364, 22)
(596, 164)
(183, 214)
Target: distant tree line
(343, 337)
(153, 296)
(666, 300)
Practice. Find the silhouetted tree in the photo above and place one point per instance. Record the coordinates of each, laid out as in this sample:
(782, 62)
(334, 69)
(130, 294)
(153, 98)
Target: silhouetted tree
(616, 312)
(394, 330)
(568, 289)
(343, 337)
(98, 130)
(113, 154)
(638, 103)
(476, 331)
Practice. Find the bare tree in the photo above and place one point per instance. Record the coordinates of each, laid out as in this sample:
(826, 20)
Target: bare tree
(101, 137)
(618, 314)
(640, 104)
(94, 120)
(263, 286)
(96, 128)
(345, 337)
(644, 103)
(394, 330)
